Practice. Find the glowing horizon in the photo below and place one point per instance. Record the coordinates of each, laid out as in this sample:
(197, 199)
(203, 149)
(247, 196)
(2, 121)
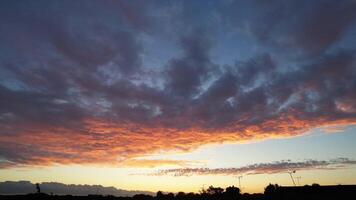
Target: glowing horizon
(141, 177)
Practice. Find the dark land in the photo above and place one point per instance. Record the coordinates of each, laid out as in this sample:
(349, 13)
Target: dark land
(272, 192)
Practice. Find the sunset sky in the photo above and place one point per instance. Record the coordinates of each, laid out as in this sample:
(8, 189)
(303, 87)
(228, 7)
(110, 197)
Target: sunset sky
(178, 95)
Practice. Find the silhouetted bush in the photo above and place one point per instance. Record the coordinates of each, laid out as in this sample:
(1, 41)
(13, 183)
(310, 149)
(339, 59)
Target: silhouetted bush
(231, 193)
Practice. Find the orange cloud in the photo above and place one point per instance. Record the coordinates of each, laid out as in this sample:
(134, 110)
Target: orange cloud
(106, 143)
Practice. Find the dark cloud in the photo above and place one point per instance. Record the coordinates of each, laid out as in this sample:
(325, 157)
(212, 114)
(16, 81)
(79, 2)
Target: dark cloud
(304, 28)
(70, 35)
(283, 166)
(73, 71)
(186, 74)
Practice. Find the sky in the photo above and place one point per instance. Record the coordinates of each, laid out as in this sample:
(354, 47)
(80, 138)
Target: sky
(178, 95)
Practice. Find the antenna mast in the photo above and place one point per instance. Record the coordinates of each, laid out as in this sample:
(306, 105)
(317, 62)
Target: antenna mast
(298, 178)
(290, 174)
(239, 177)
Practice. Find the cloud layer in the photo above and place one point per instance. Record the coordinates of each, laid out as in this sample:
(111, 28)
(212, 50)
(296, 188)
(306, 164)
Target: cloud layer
(105, 82)
(283, 166)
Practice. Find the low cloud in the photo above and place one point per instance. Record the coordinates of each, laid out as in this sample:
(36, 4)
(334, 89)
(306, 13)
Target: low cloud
(283, 166)
(26, 187)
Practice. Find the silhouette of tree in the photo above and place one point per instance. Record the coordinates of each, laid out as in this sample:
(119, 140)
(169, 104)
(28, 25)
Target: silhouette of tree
(159, 195)
(215, 190)
(315, 185)
(192, 196)
(142, 197)
(181, 196)
(270, 191)
(170, 196)
(231, 193)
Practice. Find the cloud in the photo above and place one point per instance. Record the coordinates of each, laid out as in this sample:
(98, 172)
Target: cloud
(26, 187)
(151, 163)
(301, 28)
(283, 166)
(186, 74)
(74, 87)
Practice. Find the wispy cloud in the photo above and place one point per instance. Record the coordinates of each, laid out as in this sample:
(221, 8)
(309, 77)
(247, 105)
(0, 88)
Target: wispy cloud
(151, 163)
(262, 168)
